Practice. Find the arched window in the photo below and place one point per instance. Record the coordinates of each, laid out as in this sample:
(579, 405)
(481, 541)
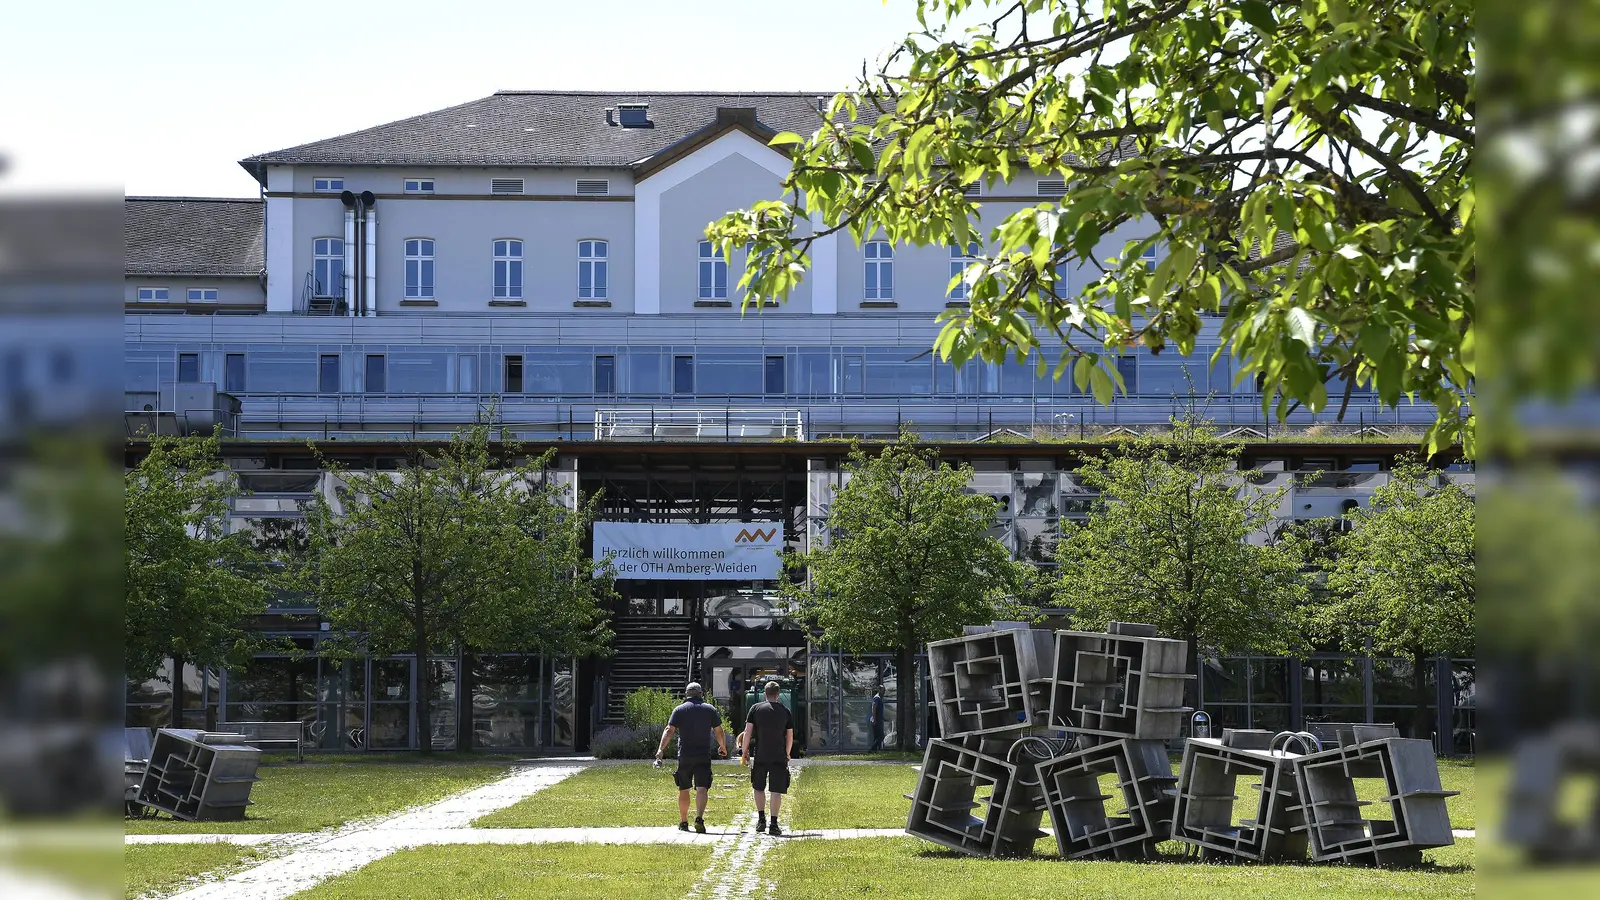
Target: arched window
(419, 268)
(327, 267)
(959, 261)
(713, 273)
(592, 265)
(508, 269)
(880, 271)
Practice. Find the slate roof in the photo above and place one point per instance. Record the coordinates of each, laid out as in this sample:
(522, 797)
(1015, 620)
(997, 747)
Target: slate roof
(542, 128)
(201, 236)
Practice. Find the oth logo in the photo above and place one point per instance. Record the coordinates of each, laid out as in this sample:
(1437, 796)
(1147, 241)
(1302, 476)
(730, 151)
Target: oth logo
(764, 535)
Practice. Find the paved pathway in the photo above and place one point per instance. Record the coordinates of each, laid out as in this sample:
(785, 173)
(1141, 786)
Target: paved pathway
(312, 859)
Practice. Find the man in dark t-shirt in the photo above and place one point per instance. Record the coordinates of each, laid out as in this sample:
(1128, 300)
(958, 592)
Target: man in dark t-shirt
(769, 736)
(696, 723)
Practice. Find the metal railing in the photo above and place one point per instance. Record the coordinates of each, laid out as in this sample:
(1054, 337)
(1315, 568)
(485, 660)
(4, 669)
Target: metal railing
(313, 303)
(435, 416)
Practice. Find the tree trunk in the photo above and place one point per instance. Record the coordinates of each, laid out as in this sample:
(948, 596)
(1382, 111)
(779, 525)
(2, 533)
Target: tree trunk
(905, 680)
(175, 719)
(1421, 726)
(419, 648)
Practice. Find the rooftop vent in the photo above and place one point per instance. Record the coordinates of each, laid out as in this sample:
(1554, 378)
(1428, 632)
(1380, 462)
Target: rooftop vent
(1052, 187)
(594, 186)
(974, 189)
(634, 115)
(505, 185)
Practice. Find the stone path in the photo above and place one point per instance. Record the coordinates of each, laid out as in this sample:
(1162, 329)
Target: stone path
(311, 859)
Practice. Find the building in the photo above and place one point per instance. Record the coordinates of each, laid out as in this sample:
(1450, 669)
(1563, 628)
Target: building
(538, 257)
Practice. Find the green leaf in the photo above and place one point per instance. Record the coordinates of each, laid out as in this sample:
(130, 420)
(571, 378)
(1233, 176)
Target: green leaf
(1302, 327)
(1258, 14)
(1276, 92)
(785, 137)
(1102, 386)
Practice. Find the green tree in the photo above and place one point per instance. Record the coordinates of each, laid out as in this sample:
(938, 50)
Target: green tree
(1303, 167)
(1175, 539)
(191, 586)
(908, 560)
(1405, 576)
(456, 550)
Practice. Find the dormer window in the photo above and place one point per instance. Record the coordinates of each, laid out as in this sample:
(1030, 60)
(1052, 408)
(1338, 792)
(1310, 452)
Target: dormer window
(634, 115)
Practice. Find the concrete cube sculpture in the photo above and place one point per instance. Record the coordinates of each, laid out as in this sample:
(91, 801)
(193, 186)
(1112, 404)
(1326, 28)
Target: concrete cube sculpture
(1124, 683)
(952, 787)
(993, 679)
(1543, 766)
(1077, 805)
(1209, 787)
(199, 776)
(1409, 773)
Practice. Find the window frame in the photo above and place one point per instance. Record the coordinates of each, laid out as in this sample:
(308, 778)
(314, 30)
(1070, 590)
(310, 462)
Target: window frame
(327, 184)
(610, 358)
(327, 259)
(423, 289)
(509, 263)
(228, 362)
(509, 363)
(959, 261)
(193, 358)
(383, 373)
(782, 371)
(678, 388)
(406, 185)
(1149, 257)
(166, 295)
(323, 370)
(710, 262)
(877, 257)
(595, 264)
(189, 295)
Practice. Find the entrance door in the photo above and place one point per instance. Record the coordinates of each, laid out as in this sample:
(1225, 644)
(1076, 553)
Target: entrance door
(730, 684)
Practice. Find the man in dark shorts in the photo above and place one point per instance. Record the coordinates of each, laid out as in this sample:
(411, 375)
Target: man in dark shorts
(695, 722)
(769, 729)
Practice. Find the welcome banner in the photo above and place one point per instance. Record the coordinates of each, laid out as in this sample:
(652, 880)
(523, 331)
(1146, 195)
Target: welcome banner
(732, 551)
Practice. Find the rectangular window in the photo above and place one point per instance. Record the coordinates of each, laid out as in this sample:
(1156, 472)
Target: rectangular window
(327, 185)
(605, 374)
(1128, 368)
(328, 373)
(233, 372)
(467, 373)
(508, 270)
(513, 373)
(851, 382)
(419, 268)
(154, 295)
(959, 261)
(634, 115)
(202, 295)
(683, 374)
(188, 367)
(505, 185)
(327, 267)
(592, 266)
(1149, 257)
(419, 185)
(377, 382)
(774, 375)
(593, 187)
(880, 271)
(713, 273)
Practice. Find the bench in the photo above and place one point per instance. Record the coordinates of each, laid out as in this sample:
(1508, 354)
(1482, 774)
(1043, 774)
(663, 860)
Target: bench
(268, 734)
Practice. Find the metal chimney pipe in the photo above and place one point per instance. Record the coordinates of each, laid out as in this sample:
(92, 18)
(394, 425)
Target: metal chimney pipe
(369, 305)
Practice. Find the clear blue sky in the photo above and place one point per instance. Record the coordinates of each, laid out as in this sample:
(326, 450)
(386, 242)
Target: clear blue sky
(165, 96)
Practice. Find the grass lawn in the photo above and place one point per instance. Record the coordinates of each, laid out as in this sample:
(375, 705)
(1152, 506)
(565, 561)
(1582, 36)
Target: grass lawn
(912, 756)
(310, 798)
(534, 872)
(631, 794)
(149, 867)
(851, 797)
(910, 869)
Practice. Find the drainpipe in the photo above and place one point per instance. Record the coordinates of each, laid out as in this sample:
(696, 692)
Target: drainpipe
(370, 300)
(349, 201)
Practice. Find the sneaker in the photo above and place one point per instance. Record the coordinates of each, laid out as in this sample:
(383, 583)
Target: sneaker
(761, 824)
(774, 830)
(700, 825)
(683, 826)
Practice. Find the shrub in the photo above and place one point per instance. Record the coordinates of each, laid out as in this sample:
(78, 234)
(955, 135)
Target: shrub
(624, 742)
(649, 707)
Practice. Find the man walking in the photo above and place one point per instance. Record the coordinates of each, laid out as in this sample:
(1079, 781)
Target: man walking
(875, 719)
(695, 722)
(769, 729)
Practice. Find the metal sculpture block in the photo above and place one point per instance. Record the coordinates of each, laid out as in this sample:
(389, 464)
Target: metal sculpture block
(1144, 782)
(1126, 683)
(954, 782)
(1542, 767)
(199, 776)
(993, 679)
(1412, 795)
(1209, 790)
